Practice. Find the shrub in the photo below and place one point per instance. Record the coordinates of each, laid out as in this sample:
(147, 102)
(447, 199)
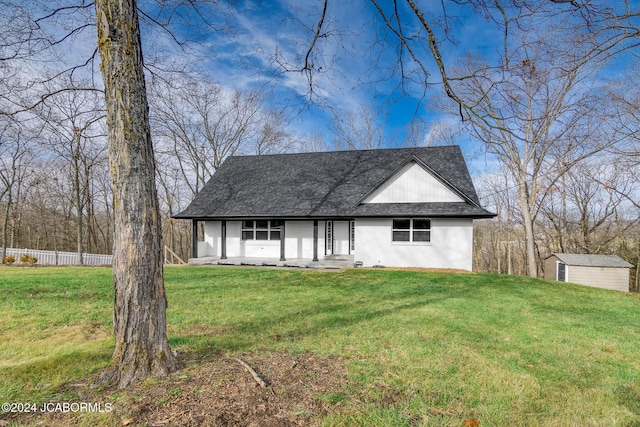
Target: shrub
(28, 259)
(9, 259)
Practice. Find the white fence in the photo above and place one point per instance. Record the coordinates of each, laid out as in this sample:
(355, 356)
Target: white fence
(60, 258)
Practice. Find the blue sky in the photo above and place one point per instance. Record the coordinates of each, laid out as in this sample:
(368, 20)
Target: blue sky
(355, 65)
(238, 45)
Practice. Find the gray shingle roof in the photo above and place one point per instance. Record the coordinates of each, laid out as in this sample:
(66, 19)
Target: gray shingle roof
(593, 260)
(328, 184)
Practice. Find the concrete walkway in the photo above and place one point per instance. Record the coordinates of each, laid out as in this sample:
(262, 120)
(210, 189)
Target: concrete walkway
(332, 262)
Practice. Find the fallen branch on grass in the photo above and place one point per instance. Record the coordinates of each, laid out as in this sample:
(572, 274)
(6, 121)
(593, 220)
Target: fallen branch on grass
(253, 373)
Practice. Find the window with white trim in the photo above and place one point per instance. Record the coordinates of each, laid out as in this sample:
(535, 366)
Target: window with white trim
(411, 230)
(261, 230)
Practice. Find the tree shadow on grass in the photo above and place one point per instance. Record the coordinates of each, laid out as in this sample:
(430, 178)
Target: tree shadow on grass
(303, 321)
(45, 378)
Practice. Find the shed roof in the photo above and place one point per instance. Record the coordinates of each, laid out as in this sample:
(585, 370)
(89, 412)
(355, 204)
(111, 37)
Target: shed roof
(583, 260)
(329, 184)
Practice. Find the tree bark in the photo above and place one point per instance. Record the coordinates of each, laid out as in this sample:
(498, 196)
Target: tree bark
(141, 345)
(5, 224)
(527, 221)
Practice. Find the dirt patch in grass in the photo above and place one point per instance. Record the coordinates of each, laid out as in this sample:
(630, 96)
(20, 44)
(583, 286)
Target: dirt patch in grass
(300, 389)
(225, 393)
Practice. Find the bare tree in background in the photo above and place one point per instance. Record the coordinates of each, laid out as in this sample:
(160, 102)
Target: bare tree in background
(627, 164)
(199, 124)
(627, 124)
(14, 158)
(196, 125)
(498, 243)
(539, 118)
(362, 129)
(71, 128)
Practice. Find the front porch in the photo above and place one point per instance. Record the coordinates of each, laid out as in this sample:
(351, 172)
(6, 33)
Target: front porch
(256, 242)
(329, 262)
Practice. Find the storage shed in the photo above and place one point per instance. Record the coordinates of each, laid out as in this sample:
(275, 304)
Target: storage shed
(600, 271)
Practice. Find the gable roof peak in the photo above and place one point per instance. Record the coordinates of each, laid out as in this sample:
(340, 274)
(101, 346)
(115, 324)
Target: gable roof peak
(325, 184)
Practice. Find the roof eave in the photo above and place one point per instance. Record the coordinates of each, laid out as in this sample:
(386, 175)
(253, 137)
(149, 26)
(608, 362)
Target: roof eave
(488, 215)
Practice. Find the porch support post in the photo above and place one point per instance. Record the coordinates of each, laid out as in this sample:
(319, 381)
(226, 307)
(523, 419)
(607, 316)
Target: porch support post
(194, 238)
(223, 238)
(315, 240)
(282, 235)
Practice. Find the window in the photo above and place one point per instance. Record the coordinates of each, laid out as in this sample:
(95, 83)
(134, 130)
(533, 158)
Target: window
(352, 235)
(261, 230)
(421, 230)
(329, 237)
(401, 230)
(412, 230)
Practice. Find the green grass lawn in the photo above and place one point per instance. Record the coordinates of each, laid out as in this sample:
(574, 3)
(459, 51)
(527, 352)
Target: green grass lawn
(419, 347)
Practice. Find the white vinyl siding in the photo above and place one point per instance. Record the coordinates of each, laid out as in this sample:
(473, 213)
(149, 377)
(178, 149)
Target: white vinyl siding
(413, 184)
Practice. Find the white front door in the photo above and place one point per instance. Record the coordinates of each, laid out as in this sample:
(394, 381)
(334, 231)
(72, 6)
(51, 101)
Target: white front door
(341, 237)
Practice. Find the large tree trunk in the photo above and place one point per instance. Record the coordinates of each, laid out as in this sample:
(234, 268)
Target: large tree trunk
(141, 346)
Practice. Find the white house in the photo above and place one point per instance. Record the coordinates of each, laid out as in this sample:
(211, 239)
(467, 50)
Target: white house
(409, 207)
